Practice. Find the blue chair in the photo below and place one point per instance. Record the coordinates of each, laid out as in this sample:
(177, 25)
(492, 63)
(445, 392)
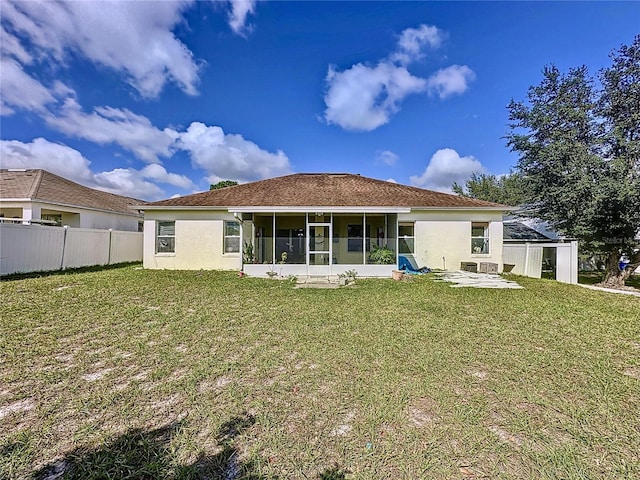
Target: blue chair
(408, 265)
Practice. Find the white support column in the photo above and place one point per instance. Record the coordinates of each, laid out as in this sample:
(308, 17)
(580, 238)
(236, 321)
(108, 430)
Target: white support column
(364, 238)
(574, 262)
(30, 212)
(273, 239)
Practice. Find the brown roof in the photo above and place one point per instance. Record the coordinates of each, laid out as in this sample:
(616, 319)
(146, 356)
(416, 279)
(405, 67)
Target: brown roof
(43, 186)
(324, 190)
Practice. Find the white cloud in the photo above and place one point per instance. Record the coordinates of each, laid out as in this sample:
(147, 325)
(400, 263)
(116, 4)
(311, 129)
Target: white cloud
(222, 156)
(446, 167)
(240, 9)
(229, 156)
(159, 174)
(128, 182)
(364, 98)
(387, 157)
(10, 47)
(134, 38)
(71, 164)
(112, 125)
(413, 40)
(53, 157)
(18, 89)
(451, 80)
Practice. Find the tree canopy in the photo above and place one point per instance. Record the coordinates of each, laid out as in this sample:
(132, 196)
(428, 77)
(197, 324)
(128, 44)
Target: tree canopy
(579, 149)
(223, 184)
(506, 189)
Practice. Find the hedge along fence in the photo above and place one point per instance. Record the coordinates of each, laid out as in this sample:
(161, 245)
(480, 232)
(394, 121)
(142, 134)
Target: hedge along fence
(32, 248)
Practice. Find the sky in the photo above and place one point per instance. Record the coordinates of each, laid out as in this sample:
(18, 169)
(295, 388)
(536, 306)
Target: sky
(160, 99)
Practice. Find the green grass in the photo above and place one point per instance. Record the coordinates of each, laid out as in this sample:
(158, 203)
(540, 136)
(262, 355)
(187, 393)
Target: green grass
(130, 373)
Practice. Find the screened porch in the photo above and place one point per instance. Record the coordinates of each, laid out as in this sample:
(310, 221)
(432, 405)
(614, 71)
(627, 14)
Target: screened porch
(321, 243)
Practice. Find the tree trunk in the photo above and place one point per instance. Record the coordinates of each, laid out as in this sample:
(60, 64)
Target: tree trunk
(614, 277)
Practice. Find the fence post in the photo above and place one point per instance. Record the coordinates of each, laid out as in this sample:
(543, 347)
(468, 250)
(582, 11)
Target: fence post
(64, 246)
(110, 241)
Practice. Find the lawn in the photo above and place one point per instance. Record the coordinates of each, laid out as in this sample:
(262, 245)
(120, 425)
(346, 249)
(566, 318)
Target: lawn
(127, 373)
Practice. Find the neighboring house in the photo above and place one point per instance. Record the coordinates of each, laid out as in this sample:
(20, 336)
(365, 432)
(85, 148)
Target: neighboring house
(33, 196)
(533, 254)
(320, 224)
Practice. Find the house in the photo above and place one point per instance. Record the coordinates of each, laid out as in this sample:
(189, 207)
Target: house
(533, 254)
(34, 196)
(320, 224)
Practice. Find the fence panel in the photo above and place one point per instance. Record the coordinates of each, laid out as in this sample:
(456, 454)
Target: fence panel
(33, 248)
(515, 255)
(125, 247)
(86, 247)
(30, 248)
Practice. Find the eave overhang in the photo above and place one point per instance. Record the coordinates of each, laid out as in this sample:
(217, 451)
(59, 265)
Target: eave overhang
(323, 209)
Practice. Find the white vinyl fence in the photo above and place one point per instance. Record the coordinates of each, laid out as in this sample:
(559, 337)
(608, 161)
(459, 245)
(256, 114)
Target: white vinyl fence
(32, 248)
(527, 259)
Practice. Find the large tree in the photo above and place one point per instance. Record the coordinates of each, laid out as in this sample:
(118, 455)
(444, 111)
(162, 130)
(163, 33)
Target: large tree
(505, 189)
(579, 148)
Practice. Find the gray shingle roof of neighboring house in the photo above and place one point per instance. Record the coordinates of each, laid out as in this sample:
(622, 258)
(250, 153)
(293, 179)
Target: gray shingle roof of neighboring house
(41, 186)
(324, 190)
(519, 231)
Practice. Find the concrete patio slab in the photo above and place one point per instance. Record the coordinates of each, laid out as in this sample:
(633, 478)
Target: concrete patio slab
(475, 280)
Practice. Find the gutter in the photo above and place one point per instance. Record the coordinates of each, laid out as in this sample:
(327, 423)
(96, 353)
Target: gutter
(319, 208)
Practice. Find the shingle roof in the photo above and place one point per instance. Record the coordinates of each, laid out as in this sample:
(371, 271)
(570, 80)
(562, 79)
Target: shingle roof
(519, 231)
(40, 185)
(324, 190)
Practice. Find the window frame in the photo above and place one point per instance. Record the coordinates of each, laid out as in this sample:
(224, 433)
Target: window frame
(486, 244)
(402, 239)
(226, 237)
(165, 236)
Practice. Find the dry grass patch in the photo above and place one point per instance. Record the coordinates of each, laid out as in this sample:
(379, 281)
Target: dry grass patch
(166, 374)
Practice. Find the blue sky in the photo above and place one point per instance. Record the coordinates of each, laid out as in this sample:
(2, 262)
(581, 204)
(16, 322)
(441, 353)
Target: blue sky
(157, 99)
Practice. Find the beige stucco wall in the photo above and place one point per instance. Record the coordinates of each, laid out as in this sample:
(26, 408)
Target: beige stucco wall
(199, 242)
(448, 235)
(199, 239)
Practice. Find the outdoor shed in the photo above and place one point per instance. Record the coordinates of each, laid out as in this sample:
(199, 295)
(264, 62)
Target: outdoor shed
(530, 253)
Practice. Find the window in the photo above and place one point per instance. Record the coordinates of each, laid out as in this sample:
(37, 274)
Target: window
(406, 238)
(165, 237)
(354, 238)
(479, 238)
(231, 237)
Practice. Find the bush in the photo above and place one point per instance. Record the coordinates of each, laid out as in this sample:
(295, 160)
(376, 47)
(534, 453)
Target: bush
(382, 256)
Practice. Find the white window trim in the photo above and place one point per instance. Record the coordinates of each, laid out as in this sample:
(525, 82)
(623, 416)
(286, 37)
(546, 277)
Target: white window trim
(485, 238)
(158, 236)
(225, 237)
(405, 237)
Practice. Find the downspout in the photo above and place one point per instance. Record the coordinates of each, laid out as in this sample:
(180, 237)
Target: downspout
(526, 260)
(241, 244)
